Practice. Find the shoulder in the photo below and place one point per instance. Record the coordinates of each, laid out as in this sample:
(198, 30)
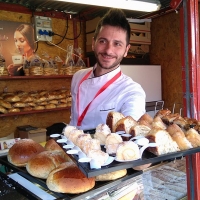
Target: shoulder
(82, 72)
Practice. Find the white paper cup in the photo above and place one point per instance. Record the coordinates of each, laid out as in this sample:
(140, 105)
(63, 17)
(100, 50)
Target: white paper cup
(17, 59)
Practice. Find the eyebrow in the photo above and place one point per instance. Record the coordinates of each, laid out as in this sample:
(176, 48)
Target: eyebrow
(118, 41)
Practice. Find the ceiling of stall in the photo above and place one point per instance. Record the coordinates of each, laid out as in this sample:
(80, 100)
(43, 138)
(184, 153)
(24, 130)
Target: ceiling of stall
(86, 12)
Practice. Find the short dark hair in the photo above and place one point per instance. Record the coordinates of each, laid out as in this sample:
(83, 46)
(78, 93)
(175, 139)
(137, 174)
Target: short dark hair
(114, 17)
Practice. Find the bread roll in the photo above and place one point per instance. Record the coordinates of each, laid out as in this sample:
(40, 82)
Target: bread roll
(43, 163)
(3, 110)
(102, 131)
(11, 110)
(11, 98)
(112, 142)
(22, 151)
(193, 137)
(165, 143)
(112, 118)
(139, 130)
(125, 124)
(50, 106)
(111, 176)
(5, 104)
(82, 139)
(179, 137)
(19, 104)
(52, 145)
(67, 130)
(128, 151)
(67, 178)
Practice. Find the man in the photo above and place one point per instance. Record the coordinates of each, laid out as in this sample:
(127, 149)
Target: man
(97, 91)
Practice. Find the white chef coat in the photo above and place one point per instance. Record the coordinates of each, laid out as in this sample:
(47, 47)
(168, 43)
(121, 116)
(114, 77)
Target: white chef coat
(123, 95)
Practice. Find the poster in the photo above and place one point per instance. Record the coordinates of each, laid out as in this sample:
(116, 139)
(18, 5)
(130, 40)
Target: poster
(17, 41)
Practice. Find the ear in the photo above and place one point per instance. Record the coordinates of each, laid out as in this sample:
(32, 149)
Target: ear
(127, 49)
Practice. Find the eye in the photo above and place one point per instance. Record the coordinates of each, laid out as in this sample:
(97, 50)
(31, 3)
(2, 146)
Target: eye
(102, 41)
(118, 44)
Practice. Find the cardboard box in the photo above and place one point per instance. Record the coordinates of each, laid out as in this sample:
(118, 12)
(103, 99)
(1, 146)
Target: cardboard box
(140, 38)
(38, 134)
(144, 27)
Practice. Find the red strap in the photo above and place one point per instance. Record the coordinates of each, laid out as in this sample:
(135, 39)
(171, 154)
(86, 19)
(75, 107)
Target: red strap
(81, 117)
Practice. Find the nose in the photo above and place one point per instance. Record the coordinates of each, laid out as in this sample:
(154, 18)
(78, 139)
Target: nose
(109, 47)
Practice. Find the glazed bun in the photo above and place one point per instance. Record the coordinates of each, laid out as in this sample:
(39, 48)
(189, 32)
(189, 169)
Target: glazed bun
(68, 178)
(22, 151)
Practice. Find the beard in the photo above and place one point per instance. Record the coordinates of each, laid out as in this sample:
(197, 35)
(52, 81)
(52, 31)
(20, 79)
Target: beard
(104, 66)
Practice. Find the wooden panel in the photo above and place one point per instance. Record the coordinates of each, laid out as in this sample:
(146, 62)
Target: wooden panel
(166, 51)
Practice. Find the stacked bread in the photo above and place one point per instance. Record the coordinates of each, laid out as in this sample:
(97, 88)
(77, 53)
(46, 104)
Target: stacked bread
(27, 101)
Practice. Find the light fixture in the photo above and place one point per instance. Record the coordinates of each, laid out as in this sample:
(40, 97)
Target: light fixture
(137, 5)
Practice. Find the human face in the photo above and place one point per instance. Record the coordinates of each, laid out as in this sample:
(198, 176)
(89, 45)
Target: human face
(110, 47)
(21, 43)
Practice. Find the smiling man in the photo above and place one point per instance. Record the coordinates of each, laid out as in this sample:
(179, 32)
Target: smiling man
(97, 91)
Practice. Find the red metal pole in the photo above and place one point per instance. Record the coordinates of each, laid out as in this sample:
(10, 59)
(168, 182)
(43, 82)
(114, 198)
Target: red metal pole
(191, 74)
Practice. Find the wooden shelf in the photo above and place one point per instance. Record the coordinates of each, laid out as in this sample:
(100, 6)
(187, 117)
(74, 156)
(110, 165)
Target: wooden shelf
(34, 77)
(33, 112)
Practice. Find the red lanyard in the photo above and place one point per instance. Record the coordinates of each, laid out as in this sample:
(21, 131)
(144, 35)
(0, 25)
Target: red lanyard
(81, 117)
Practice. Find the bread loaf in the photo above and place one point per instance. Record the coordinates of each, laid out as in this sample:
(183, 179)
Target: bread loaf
(128, 151)
(165, 144)
(22, 151)
(146, 120)
(168, 119)
(67, 178)
(139, 130)
(125, 124)
(193, 137)
(158, 123)
(162, 113)
(43, 163)
(112, 118)
(111, 176)
(179, 137)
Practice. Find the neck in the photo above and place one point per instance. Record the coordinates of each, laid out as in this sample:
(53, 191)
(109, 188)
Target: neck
(99, 71)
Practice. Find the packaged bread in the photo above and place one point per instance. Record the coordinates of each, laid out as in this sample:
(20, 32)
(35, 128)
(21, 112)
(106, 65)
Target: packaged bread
(111, 176)
(101, 132)
(165, 143)
(178, 135)
(125, 124)
(128, 150)
(67, 178)
(112, 118)
(193, 136)
(22, 151)
(112, 142)
(43, 163)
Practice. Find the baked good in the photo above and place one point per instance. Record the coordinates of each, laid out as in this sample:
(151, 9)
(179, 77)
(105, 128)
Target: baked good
(11, 110)
(67, 178)
(139, 130)
(178, 135)
(193, 137)
(22, 151)
(50, 106)
(181, 122)
(158, 123)
(52, 145)
(112, 118)
(102, 131)
(165, 143)
(128, 151)
(168, 119)
(162, 113)
(98, 155)
(5, 104)
(39, 108)
(146, 120)
(74, 135)
(82, 139)
(125, 124)
(112, 142)
(43, 163)
(11, 98)
(91, 144)
(111, 176)
(19, 104)
(3, 110)
(68, 129)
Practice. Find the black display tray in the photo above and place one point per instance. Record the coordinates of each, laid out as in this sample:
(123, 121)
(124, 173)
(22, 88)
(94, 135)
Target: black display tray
(146, 158)
(99, 186)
